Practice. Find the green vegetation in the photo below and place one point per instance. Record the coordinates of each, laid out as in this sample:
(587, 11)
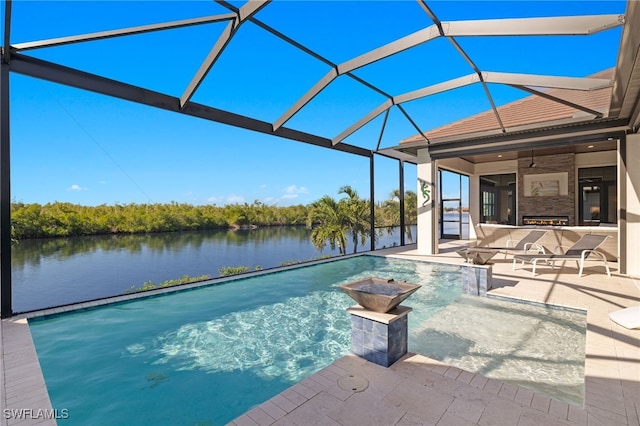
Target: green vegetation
(297, 262)
(66, 219)
(185, 279)
(388, 212)
(332, 221)
(225, 271)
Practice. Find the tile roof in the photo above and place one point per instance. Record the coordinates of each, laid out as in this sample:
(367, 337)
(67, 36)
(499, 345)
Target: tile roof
(530, 110)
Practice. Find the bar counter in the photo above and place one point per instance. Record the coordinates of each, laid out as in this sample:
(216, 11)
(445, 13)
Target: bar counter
(493, 235)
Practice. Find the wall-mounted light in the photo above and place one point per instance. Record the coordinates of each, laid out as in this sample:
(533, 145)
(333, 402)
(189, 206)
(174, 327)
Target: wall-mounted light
(590, 146)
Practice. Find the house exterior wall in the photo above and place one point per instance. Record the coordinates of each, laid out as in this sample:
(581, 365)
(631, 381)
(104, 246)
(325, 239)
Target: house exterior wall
(629, 204)
(427, 204)
(624, 243)
(596, 159)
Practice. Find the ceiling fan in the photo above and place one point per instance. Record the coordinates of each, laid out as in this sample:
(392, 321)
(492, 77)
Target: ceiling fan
(532, 164)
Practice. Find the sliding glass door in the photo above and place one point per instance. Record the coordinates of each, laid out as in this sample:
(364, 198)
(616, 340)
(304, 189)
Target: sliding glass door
(454, 205)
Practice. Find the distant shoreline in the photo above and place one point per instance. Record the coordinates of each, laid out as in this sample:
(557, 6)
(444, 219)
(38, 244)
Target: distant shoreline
(60, 219)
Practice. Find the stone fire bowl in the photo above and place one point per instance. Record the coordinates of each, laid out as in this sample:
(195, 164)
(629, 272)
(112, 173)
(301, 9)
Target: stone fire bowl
(378, 294)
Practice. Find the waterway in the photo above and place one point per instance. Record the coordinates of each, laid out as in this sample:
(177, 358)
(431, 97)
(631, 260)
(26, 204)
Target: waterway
(60, 271)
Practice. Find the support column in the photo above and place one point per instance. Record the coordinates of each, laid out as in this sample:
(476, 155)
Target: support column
(401, 200)
(474, 205)
(427, 211)
(629, 204)
(372, 203)
(6, 307)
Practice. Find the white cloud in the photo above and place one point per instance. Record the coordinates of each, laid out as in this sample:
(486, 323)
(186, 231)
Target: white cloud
(293, 189)
(229, 199)
(234, 199)
(76, 188)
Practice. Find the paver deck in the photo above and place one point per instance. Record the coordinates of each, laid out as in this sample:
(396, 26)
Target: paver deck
(417, 390)
(420, 391)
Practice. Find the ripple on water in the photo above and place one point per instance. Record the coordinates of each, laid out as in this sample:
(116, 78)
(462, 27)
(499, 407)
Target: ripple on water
(277, 340)
(531, 346)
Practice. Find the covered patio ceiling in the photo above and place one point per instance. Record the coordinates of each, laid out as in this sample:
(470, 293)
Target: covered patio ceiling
(578, 148)
(352, 76)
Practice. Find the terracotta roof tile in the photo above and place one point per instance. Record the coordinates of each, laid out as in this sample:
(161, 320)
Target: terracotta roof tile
(530, 110)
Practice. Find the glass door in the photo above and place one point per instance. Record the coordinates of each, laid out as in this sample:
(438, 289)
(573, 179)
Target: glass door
(451, 219)
(590, 203)
(454, 215)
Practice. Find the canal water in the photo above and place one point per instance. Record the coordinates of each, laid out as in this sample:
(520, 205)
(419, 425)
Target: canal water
(59, 271)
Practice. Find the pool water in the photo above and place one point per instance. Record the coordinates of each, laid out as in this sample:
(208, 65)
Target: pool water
(527, 345)
(206, 356)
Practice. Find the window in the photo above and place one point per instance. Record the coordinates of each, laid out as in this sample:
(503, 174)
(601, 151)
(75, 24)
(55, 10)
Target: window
(498, 199)
(489, 205)
(597, 189)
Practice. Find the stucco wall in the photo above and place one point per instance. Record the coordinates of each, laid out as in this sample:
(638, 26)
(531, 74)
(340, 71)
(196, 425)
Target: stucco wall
(629, 199)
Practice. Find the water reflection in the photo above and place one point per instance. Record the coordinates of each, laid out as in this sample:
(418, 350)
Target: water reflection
(54, 272)
(32, 252)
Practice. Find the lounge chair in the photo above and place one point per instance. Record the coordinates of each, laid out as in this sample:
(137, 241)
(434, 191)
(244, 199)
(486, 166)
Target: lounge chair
(583, 248)
(481, 255)
(530, 242)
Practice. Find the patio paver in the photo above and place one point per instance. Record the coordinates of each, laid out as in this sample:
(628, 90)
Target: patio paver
(419, 390)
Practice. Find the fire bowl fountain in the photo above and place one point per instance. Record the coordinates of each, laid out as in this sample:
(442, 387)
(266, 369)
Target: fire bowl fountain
(379, 294)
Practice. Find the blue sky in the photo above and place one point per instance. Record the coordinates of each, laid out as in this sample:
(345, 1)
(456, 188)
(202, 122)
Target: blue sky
(79, 147)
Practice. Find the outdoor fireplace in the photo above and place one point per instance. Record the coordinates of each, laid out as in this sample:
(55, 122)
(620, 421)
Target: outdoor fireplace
(546, 220)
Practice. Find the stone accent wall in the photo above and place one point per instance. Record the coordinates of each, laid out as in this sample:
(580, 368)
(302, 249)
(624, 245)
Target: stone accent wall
(562, 205)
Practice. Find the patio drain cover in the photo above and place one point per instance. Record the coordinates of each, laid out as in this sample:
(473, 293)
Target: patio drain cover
(353, 383)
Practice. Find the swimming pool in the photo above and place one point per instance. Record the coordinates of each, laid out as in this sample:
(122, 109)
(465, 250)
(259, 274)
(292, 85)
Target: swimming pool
(528, 345)
(207, 355)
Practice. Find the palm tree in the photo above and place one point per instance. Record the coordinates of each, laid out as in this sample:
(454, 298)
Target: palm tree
(357, 214)
(390, 212)
(410, 213)
(328, 217)
(332, 220)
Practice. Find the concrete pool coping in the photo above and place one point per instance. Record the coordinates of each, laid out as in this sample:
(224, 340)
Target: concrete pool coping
(612, 368)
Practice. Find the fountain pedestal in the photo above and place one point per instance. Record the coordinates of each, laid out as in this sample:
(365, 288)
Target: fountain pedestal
(379, 337)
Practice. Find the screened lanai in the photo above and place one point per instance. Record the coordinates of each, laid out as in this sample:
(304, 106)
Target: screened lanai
(368, 79)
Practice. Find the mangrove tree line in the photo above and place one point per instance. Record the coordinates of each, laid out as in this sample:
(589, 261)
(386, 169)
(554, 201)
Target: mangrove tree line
(58, 219)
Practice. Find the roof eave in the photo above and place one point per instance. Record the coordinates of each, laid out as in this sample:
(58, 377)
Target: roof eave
(566, 131)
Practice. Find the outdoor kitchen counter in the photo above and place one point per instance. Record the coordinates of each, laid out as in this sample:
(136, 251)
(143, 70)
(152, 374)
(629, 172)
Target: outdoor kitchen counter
(492, 235)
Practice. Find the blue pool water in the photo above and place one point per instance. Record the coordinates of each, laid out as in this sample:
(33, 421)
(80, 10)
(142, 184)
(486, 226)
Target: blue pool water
(207, 355)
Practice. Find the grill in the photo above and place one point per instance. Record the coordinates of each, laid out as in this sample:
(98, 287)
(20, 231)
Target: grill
(546, 220)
